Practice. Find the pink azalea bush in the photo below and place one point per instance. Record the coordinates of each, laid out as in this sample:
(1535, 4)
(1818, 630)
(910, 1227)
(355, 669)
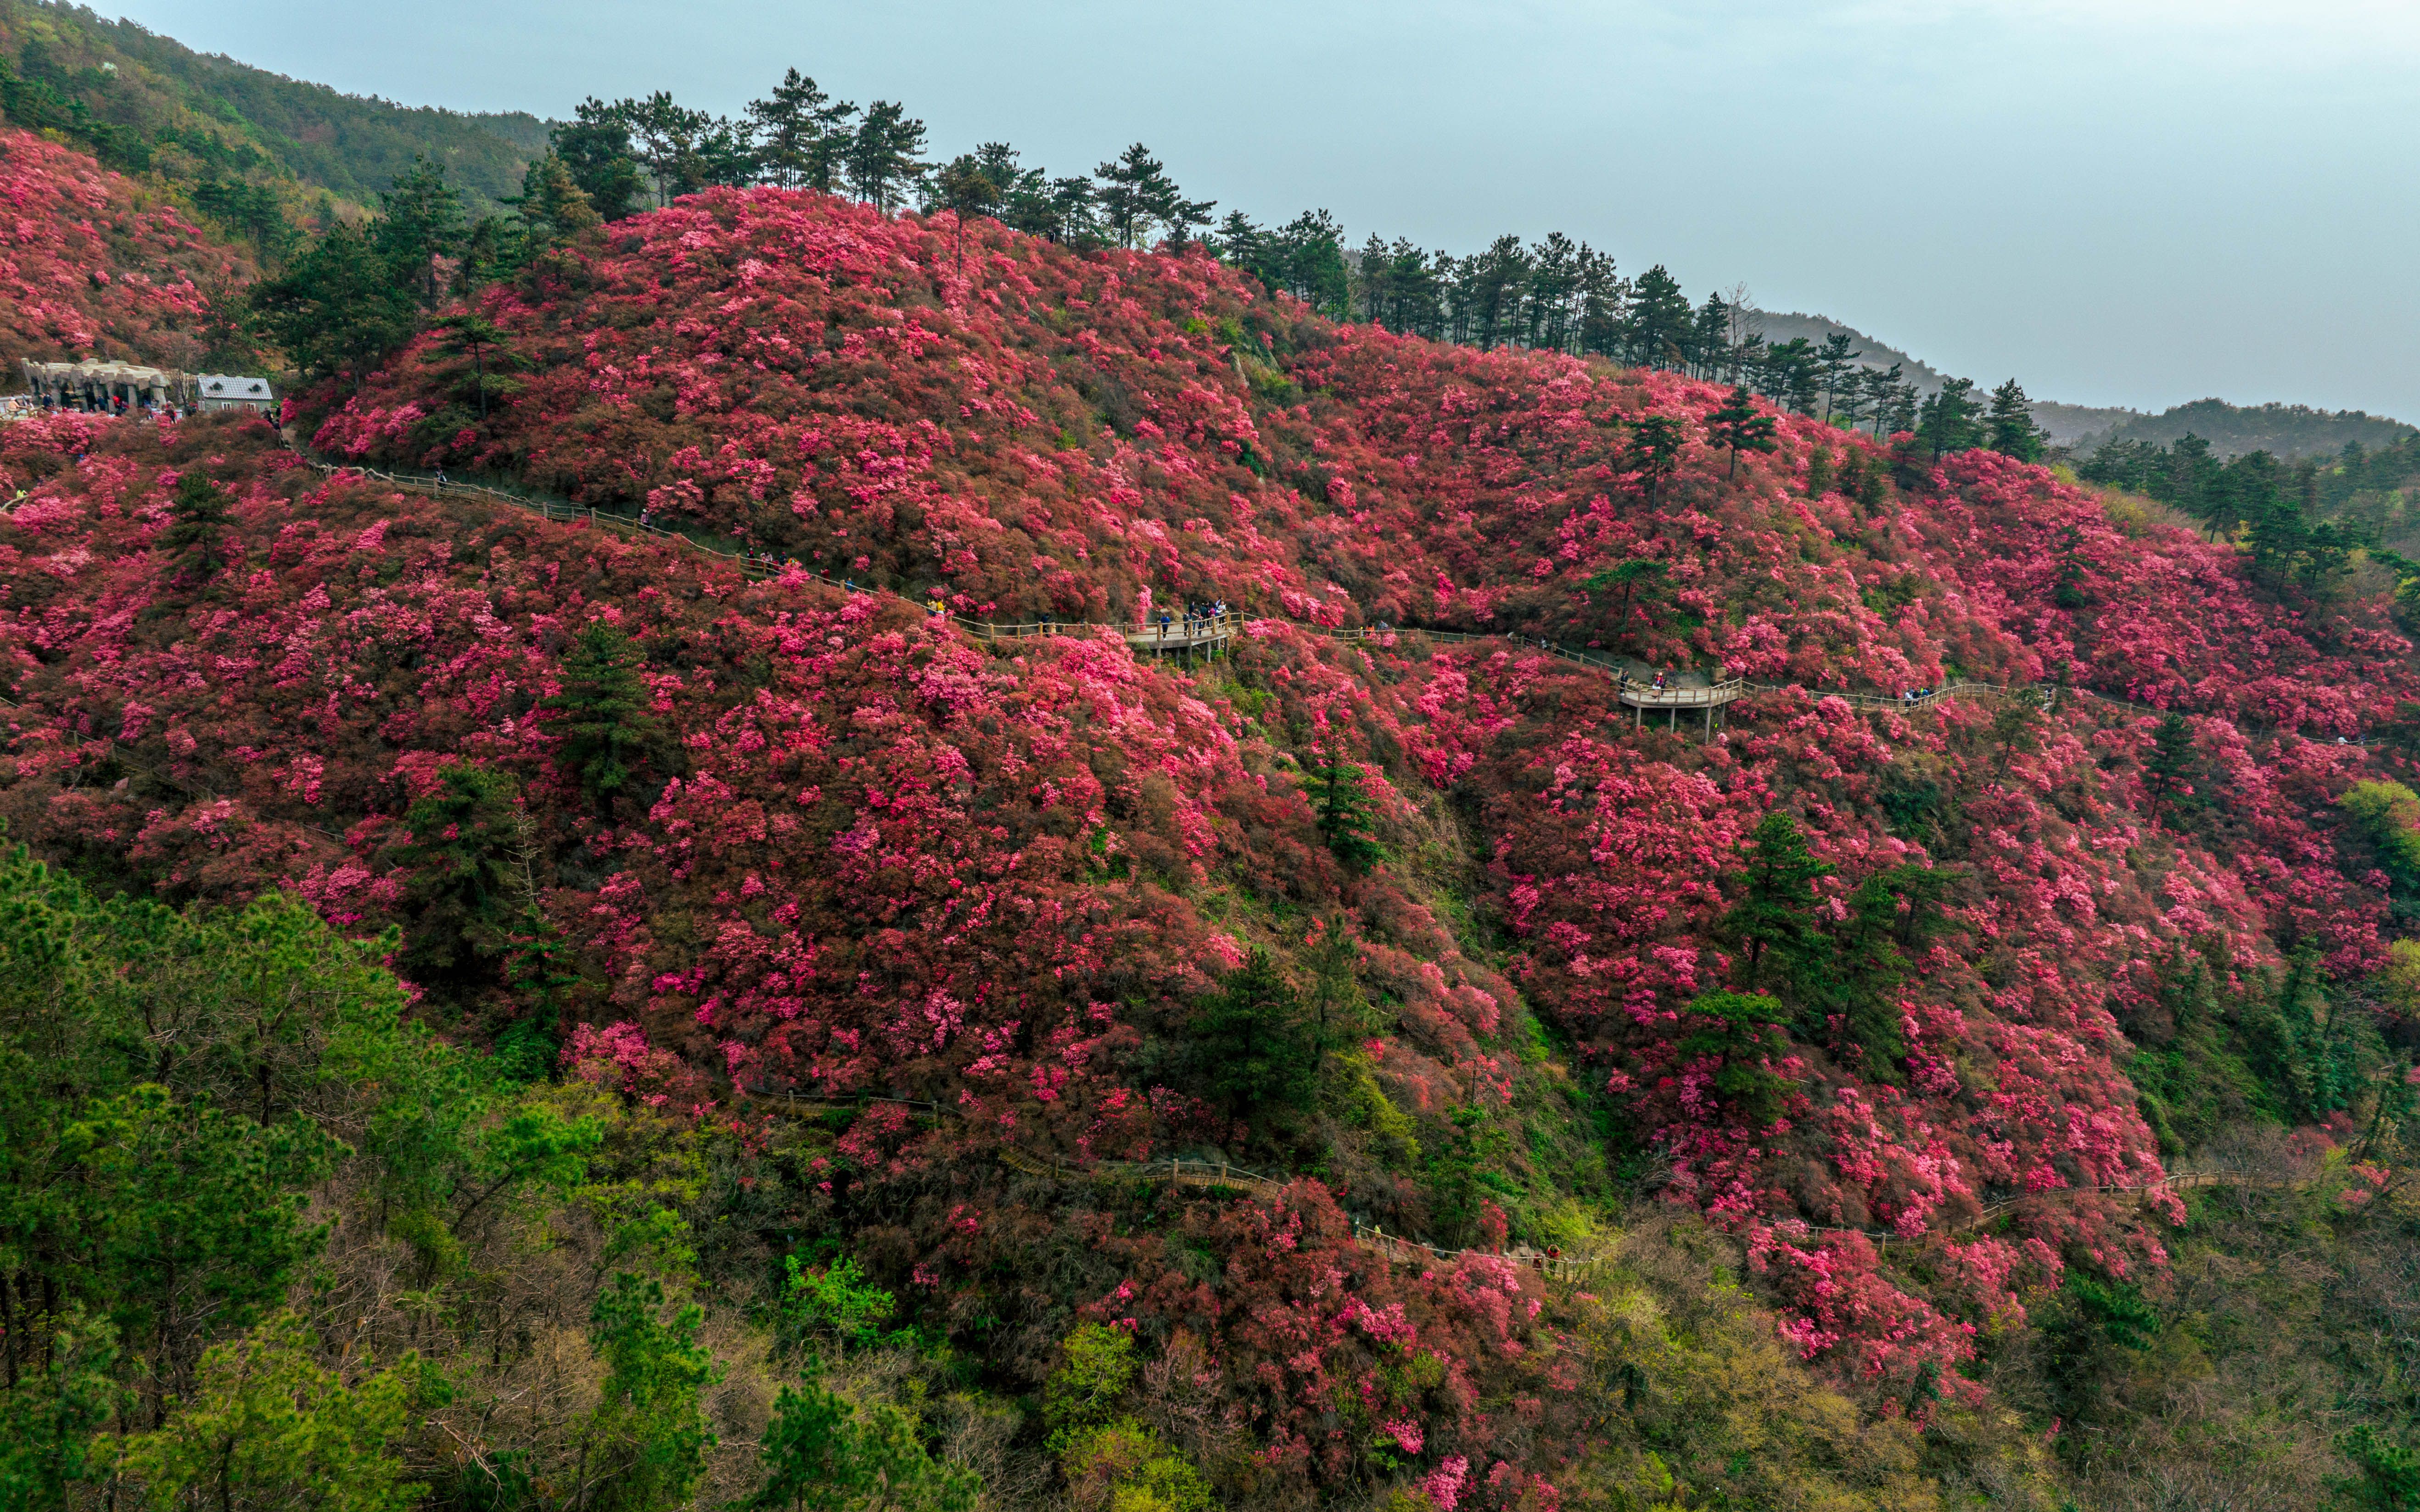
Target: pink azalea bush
(91, 266)
(885, 858)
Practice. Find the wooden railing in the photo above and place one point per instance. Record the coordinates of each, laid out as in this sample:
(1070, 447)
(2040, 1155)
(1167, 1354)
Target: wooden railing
(1177, 635)
(1552, 1264)
(1205, 1175)
(2175, 1181)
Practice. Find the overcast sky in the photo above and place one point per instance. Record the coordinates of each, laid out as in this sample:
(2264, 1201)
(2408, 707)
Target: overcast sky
(2134, 202)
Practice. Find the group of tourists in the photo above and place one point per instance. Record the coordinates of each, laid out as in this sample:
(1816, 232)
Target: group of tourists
(116, 405)
(1196, 620)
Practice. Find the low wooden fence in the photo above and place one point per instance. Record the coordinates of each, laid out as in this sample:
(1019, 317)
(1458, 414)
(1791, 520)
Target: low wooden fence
(1187, 635)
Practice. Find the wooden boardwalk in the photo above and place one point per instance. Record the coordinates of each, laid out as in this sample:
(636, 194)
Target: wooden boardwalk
(1210, 636)
(2142, 1192)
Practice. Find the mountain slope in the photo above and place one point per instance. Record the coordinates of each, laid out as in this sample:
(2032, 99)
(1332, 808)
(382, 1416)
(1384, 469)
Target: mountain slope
(843, 847)
(248, 123)
(2289, 431)
(92, 267)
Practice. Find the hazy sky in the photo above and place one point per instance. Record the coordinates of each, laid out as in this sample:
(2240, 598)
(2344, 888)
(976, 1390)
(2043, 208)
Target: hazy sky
(2132, 201)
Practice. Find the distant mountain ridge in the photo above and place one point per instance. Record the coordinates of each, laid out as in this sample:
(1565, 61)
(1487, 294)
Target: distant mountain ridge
(2289, 431)
(2284, 430)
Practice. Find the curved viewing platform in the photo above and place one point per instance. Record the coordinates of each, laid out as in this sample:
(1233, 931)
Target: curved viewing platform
(1640, 695)
(1207, 633)
(1634, 680)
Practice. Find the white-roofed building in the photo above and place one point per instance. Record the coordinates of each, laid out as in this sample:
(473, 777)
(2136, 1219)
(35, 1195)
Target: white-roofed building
(228, 391)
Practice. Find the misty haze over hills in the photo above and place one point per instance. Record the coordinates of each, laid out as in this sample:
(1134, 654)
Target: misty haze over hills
(2285, 430)
(309, 148)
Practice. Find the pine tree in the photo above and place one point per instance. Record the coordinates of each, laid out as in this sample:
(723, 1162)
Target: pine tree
(53, 1413)
(1891, 915)
(2171, 774)
(595, 150)
(458, 859)
(1629, 574)
(198, 518)
(1252, 1043)
(810, 1454)
(268, 1426)
(1025, 203)
(1792, 374)
(964, 189)
(1654, 452)
(1834, 363)
(791, 125)
(1075, 211)
(1745, 1031)
(1709, 337)
(420, 222)
(882, 157)
(1740, 427)
(1773, 924)
(604, 714)
(473, 335)
(339, 309)
(1491, 287)
(1347, 815)
(1882, 386)
(2010, 424)
(1660, 321)
(665, 137)
(1339, 1010)
(2016, 727)
(1947, 423)
(1602, 311)
(1136, 192)
(644, 1448)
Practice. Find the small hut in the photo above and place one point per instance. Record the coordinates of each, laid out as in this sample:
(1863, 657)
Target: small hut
(224, 391)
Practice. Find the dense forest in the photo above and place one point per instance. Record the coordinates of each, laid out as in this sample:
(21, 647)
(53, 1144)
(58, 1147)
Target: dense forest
(2290, 431)
(506, 1015)
(256, 152)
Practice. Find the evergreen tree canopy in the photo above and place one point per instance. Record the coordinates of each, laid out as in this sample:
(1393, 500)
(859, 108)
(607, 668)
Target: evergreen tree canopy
(1745, 1031)
(1773, 923)
(595, 150)
(799, 131)
(198, 519)
(1253, 1045)
(646, 1442)
(1346, 814)
(1741, 426)
(964, 189)
(604, 713)
(2010, 424)
(552, 208)
(883, 157)
(1654, 452)
(1947, 422)
(419, 223)
(1137, 194)
(339, 309)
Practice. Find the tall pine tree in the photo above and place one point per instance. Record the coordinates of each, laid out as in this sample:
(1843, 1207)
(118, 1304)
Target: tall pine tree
(604, 714)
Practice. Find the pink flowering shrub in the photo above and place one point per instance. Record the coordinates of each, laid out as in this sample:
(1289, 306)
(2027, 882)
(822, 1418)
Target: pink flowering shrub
(90, 266)
(878, 856)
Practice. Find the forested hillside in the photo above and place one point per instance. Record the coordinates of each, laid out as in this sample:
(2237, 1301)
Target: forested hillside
(591, 1025)
(248, 145)
(2290, 431)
